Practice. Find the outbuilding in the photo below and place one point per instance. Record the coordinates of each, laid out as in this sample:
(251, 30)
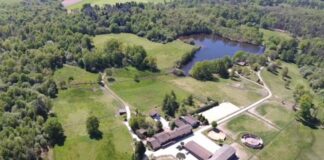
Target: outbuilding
(191, 121)
(122, 111)
(197, 150)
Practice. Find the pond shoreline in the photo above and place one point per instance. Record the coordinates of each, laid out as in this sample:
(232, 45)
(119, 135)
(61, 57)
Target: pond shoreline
(213, 46)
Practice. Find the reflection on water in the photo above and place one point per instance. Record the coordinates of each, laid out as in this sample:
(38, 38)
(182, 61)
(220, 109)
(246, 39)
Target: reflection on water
(213, 47)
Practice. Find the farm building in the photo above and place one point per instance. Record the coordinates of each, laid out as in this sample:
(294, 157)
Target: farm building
(191, 121)
(122, 111)
(178, 122)
(164, 139)
(141, 133)
(197, 150)
(225, 153)
(154, 114)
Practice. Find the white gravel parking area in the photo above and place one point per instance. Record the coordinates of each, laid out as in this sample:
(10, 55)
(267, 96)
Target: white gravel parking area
(220, 111)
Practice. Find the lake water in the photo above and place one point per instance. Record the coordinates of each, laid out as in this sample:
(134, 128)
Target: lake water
(213, 47)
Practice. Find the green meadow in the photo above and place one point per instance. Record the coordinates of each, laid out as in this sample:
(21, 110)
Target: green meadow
(277, 84)
(166, 54)
(74, 105)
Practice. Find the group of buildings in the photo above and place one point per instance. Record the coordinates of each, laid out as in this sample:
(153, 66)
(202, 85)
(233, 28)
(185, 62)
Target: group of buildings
(184, 128)
(226, 152)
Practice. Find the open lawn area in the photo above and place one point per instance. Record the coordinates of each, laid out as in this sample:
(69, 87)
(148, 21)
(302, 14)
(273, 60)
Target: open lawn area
(297, 142)
(248, 124)
(103, 2)
(79, 75)
(241, 92)
(277, 84)
(73, 106)
(148, 92)
(166, 54)
(276, 113)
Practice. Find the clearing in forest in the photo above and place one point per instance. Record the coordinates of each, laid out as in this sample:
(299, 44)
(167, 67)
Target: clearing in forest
(74, 105)
(166, 54)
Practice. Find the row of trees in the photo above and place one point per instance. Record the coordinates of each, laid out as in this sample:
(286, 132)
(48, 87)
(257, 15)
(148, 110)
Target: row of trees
(116, 54)
(205, 70)
(237, 21)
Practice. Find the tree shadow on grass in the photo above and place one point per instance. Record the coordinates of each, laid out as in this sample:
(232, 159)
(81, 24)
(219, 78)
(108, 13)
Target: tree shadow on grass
(60, 141)
(96, 135)
(313, 124)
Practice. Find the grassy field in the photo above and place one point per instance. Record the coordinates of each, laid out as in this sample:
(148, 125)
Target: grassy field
(103, 2)
(277, 84)
(166, 54)
(276, 113)
(79, 75)
(297, 142)
(148, 92)
(243, 124)
(73, 106)
(223, 90)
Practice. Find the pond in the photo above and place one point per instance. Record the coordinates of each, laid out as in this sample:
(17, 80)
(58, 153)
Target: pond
(213, 47)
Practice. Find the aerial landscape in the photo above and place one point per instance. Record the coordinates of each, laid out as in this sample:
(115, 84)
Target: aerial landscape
(162, 80)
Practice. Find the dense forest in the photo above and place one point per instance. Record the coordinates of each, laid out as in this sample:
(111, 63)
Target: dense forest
(39, 36)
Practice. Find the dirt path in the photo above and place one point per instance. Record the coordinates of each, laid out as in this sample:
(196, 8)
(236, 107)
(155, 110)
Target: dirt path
(239, 112)
(123, 103)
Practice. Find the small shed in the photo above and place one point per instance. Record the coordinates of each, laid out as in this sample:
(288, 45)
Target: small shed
(154, 114)
(178, 122)
(191, 121)
(122, 111)
(141, 133)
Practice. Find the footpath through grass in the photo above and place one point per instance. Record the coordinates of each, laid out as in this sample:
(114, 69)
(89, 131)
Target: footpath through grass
(248, 124)
(277, 84)
(166, 54)
(73, 106)
(294, 141)
(276, 113)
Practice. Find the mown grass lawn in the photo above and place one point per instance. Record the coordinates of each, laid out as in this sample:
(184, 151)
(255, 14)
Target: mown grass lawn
(103, 2)
(166, 54)
(248, 124)
(73, 106)
(146, 94)
(240, 93)
(296, 142)
(277, 84)
(276, 113)
(79, 75)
